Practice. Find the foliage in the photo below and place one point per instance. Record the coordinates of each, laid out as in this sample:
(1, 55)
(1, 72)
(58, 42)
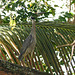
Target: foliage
(64, 17)
(45, 57)
(25, 9)
(73, 1)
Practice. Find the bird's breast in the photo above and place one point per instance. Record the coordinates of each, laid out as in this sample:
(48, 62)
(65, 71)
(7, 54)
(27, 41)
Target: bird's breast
(30, 49)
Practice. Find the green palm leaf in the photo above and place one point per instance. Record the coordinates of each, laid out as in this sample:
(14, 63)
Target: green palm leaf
(46, 57)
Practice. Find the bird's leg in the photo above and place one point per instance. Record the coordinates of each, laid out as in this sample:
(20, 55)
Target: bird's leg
(32, 56)
(24, 62)
(27, 61)
(31, 60)
(32, 53)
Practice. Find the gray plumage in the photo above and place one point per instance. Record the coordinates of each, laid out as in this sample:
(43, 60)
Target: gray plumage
(29, 43)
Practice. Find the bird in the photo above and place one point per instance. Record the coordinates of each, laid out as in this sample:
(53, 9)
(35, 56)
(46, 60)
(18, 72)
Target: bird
(29, 43)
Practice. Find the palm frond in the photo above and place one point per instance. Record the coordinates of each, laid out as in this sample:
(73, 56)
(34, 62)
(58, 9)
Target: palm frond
(46, 57)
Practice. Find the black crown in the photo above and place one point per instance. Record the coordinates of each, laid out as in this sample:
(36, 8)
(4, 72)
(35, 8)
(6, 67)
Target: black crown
(32, 17)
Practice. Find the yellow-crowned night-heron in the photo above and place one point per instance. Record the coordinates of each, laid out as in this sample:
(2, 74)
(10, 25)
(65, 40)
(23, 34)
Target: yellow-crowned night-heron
(29, 43)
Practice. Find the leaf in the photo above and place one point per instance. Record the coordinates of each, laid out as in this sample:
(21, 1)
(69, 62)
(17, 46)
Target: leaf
(0, 6)
(56, 6)
(45, 57)
(62, 18)
(68, 15)
(3, 0)
(73, 2)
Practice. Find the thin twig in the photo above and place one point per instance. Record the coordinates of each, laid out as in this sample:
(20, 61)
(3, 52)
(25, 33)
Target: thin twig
(61, 36)
(72, 44)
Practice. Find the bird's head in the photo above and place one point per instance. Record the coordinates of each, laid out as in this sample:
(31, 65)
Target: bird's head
(32, 17)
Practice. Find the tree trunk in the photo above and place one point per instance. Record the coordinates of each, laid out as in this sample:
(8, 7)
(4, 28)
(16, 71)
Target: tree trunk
(74, 14)
(69, 10)
(7, 68)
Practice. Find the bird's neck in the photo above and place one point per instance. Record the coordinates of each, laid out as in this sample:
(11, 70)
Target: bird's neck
(33, 27)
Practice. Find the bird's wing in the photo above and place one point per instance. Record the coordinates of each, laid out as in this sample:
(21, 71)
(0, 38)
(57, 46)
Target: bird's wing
(25, 45)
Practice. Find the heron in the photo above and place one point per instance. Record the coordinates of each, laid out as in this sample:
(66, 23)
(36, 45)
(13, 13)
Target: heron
(29, 43)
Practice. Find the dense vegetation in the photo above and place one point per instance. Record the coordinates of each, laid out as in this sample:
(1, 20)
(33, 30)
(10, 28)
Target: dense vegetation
(47, 56)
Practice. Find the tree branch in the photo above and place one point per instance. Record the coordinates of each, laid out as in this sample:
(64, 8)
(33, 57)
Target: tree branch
(8, 67)
(72, 44)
